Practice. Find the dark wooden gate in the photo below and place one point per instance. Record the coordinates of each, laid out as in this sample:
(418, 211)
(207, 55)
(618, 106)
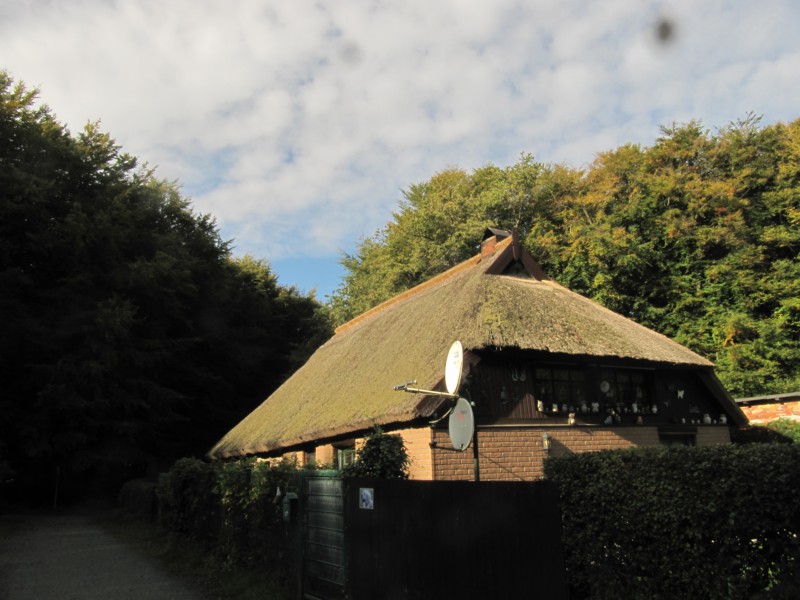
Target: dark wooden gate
(366, 539)
(322, 564)
(451, 539)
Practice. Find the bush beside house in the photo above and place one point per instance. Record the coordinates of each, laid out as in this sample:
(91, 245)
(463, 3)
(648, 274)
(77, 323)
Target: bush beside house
(233, 509)
(717, 522)
(382, 456)
(787, 427)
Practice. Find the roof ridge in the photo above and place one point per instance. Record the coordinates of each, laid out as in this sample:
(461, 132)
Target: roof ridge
(425, 285)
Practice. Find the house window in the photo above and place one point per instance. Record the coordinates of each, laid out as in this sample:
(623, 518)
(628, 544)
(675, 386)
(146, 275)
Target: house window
(559, 389)
(344, 453)
(310, 457)
(626, 390)
(345, 457)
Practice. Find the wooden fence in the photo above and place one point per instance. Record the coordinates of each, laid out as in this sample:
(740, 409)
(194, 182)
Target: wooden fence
(393, 539)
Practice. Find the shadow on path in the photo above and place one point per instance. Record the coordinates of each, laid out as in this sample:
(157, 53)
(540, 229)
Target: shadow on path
(71, 557)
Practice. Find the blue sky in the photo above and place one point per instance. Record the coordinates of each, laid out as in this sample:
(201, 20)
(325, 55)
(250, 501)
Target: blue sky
(298, 124)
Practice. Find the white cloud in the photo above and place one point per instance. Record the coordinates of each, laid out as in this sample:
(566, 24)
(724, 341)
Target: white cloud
(297, 125)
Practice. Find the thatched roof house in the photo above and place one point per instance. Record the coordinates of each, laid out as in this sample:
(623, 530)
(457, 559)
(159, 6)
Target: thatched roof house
(500, 300)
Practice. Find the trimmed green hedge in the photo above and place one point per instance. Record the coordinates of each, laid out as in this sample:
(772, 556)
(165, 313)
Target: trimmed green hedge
(719, 522)
(231, 508)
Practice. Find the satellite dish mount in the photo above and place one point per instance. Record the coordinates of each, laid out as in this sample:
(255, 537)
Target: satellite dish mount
(461, 424)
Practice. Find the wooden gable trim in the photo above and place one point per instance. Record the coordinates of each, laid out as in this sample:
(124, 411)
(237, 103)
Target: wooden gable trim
(709, 377)
(515, 252)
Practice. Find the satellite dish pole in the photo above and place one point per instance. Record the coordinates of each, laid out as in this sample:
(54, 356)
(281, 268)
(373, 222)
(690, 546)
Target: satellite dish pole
(476, 467)
(461, 424)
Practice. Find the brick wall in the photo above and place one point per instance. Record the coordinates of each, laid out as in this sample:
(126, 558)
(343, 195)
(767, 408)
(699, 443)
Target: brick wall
(296, 457)
(512, 453)
(418, 445)
(326, 455)
(517, 453)
(764, 413)
(507, 454)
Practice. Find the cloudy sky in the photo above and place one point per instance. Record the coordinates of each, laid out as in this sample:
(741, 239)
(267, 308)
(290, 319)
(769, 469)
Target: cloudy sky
(297, 124)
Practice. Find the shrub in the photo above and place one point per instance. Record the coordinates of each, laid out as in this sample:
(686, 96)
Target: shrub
(758, 434)
(232, 507)
(186, 499)
(383, 456)
(271, 540)
(720, 522)
(789, 428)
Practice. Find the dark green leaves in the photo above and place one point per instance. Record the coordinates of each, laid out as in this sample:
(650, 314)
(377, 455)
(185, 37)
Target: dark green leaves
(696, 237)
(383, 456)
(131, 336)
(717, 522)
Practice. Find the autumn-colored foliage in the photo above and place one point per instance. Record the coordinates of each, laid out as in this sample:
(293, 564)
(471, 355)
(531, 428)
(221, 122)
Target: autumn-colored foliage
(696, 237)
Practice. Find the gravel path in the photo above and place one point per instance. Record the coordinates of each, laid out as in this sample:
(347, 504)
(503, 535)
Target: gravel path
(71, 557)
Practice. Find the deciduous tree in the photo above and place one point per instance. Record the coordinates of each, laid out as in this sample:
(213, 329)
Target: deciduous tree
(130, 333)
(696, 237)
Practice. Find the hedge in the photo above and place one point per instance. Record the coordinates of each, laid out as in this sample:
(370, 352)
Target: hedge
(718, 522)
(231, 508)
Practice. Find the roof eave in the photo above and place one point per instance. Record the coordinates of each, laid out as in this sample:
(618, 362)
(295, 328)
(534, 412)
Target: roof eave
(428, 407)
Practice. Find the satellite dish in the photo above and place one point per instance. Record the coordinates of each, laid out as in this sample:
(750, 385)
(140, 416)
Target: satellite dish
(461, 425)
(453, 367)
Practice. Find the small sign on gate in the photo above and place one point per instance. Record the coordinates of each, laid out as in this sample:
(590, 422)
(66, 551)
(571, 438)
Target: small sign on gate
(366, 498)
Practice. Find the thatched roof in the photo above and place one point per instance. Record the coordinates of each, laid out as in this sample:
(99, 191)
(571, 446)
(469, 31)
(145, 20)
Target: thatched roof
(348, 384)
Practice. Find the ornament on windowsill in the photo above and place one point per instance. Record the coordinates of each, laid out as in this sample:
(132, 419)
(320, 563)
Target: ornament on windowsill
(518, 374)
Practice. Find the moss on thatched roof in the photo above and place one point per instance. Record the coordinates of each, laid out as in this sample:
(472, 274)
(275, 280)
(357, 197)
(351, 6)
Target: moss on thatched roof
(348, 384)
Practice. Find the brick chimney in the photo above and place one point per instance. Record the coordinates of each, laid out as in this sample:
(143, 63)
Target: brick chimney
(490, 238)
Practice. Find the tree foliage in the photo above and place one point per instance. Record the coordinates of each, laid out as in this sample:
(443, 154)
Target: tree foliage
(130, 333)
(231, 510)
(789, 428)
(715, 522)
(383, 456)
(696, 237)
